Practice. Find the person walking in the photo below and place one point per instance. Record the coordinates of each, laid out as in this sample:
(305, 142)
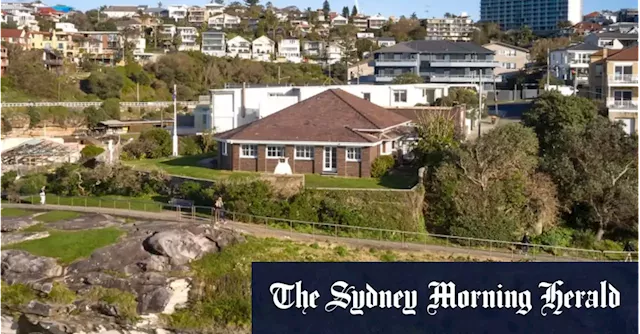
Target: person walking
(525, 244)
(629, 249)
(220, 209)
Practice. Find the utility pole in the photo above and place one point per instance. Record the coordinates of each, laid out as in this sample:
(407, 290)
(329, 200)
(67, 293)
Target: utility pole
(278, 74)
(175, 121)
(495, 96)
(548, 67)
(480, 108)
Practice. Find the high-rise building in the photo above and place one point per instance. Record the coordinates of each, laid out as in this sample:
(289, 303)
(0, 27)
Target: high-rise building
(451, 28)
(539, 15)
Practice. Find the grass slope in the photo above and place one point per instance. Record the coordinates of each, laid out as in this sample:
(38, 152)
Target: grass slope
(54, 216)
(14, 212)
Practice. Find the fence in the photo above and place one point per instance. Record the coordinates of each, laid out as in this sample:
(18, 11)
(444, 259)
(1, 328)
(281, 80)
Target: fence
(208, 214)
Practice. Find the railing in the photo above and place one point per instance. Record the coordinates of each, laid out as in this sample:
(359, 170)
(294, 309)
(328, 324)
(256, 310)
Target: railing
(396, 60)
(464, 61)
(622, 104)
(624, 78)
(208, 214)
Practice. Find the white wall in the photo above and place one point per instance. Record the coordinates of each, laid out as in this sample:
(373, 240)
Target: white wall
(226, 108)
(575, 11)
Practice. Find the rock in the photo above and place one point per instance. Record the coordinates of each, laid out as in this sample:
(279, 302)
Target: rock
(154, 301)
(19, 266)
(155, 263)
(43, 287)
(16, 224)
(179, 246)
(179, 295)
(8, 325)
(14, 238)
(38, 308)
(108, 309)
(225, 238)
(85, 222)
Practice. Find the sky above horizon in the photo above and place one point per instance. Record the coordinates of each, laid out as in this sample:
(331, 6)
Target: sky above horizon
(422, 8)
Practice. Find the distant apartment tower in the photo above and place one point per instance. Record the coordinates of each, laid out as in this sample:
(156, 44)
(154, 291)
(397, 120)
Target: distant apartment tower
(454, 28)
(539, 15)
(213, 43)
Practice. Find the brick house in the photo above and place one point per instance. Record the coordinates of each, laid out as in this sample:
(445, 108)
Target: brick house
(333, 133)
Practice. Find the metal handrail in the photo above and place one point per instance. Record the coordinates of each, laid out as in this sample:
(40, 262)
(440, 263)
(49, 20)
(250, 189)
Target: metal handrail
(499, 246)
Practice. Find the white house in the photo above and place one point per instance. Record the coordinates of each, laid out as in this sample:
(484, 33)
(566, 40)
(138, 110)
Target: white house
(178, 12)
(377, 21)
(66, 27)
(339, 20)
(188, 38)
(611, 40)
(365, 35)
(117, 12)
(213, 9)
(290, 50)
(223, 21)
(335, 51)
(234, 107)
(262, 48)
(385, 42)
(239, 47)
(213, 43)
(572, 62)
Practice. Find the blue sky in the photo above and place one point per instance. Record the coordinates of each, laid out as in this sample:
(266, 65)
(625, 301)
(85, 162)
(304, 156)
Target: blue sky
(423, 8)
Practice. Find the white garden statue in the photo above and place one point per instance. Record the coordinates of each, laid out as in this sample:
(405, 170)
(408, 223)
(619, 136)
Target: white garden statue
(283, 167)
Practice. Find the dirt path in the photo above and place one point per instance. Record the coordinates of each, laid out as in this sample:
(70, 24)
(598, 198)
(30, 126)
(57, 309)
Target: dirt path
(266, 231)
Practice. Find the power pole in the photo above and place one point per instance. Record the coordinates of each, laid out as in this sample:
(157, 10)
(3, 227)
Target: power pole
(278, 74)
(175, 121)
(480, 108)
(548, 67)
(495, 95)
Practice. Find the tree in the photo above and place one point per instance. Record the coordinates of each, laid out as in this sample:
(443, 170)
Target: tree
(436, 138)
(407, 78)
(553, 81)
(6, 126)
(106, 84)
(34, 117)
(564, 24)
(458, 96)
(45, 24)
(418, 33)
(414, 16)
(94, 115)
(326, 8)
(345, 12)
(541, 46)
(365, 45)
(354, 10)
(9, 25)
(597, 174)
(251, 3)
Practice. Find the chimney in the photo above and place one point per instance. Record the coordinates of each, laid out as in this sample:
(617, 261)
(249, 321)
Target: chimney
(604, 53)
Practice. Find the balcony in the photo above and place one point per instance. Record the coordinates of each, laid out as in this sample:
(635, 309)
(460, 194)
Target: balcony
(462, 78)
(396, 62)
(464, 63)
(622, 105)
(623, 79)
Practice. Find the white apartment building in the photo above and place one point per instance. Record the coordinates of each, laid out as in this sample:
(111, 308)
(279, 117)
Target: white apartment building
(335, 51)
(118, 12)
(223, 21)
(213, 43)
(234, 107)
(239, 47)
(365, 35)
(313, 48)
(178, 12)
(168, 31)
(572, 63)
(188, 38)
(377, 21)
(262, 48)
(339, 21)
(213, 9)
(66, 27)
(196, 15)
(455, 29)
(361, 22)
(23, 20)
(290, 50)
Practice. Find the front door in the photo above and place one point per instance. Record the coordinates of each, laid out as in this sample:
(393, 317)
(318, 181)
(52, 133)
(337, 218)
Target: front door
(330, 163)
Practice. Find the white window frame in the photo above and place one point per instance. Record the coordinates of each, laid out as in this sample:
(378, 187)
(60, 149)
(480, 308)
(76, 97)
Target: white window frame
(304, 149)
(398, 97)
(276, 149)
(356, 153)
(224, 148)
(249, 148)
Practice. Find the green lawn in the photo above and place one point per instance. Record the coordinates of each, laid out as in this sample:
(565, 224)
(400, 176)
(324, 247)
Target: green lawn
(68, 246)
(112, 202)
(14, 212)
(186, 166)
(54, 216)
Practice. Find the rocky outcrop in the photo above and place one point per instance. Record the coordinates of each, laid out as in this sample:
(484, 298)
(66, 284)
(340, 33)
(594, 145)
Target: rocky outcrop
(16, 224)
(19, 266)
(14, 238)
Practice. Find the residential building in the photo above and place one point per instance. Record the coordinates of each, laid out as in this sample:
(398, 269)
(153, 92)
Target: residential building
(178, 12)
(15, 36)
(223, 21)
(361, 72)
(572, 63)
(117, 12)
(385, 42)
(5, 61)
(511, 59)
(101, 46)
(262, 48)
(437, 61)
(338, 21)
(585, 28)
(131, 24)
(361, 22)
(313, 48)
(289, 49)
(235, 107)
(213, 9)
(332, 133)
(614, 78)
(628, 15)
(365, 35)
(455, 28)
(377, 21)
(167, 33)
(66, 27)
(334, 52)
(50, 14)
(188, 38)
(621, 27)
(196, 15)
(157, 12)
(541, 16)
(611, 40)
(239, 47)
(213, 43)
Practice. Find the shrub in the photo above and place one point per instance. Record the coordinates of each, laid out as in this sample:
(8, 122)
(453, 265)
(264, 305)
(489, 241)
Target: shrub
(91, 151)
(16, 295)
(381, 165)
(189, 146)
(559, 236)
(125, 302)
(8, 179)
(32, 184)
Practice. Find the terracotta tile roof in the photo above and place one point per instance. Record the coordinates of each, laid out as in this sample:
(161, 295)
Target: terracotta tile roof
(629, 54)
(587, 26)
(331, 116)
(593, 14)
(11, 33)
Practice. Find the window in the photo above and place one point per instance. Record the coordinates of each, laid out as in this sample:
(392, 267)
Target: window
(367, 96)
(353, 153)
(60, 46)
(249, 151)
(204, 120)
(304, 152)
(275, 151)
(224, 148)
(598, 92)
(598, 69)
(400, 96)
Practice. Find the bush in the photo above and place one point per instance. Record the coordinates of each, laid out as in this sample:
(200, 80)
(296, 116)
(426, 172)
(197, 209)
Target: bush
(32, 184)
(8, 179)
(559, 236)
(91, 151)
(189, 146)
(381, 165)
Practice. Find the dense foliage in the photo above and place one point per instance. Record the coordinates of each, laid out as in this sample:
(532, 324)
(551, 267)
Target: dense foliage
(91, 151)
(381, 165)
(157, 143)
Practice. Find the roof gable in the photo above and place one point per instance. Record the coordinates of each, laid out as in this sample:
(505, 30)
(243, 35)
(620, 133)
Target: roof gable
(629, 54)
(11, 33)
(331, 116)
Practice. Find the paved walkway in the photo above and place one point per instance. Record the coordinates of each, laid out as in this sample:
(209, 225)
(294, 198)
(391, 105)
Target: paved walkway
(266, 231)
